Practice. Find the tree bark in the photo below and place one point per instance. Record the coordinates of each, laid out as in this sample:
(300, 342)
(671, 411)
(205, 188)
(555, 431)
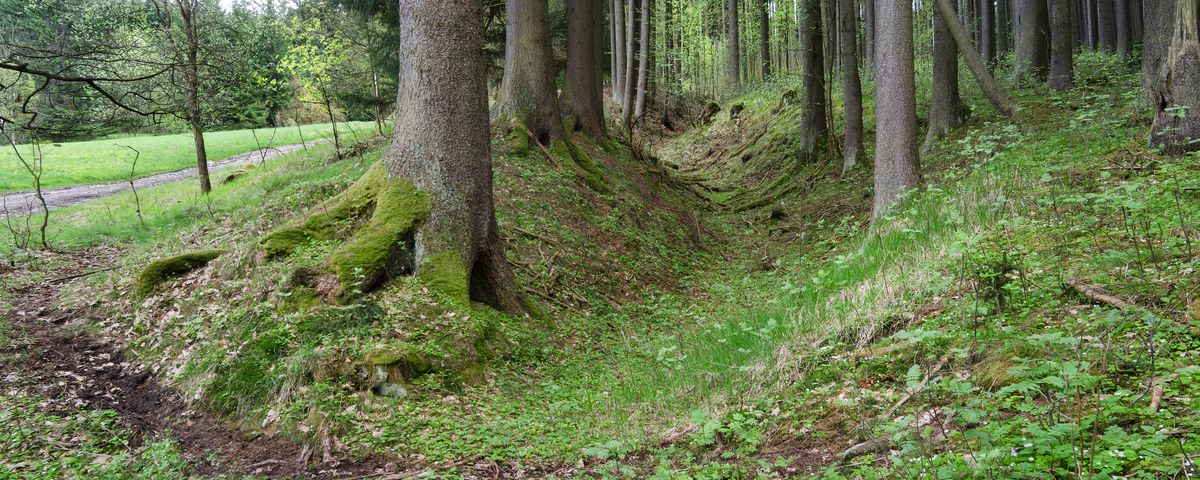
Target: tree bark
(1033, 39)
(1107, 23)
(188, 10)
(1135, 8)
(644, 66)
(869, 33)
(1123, 27)
(814, 129)
(852, 87)
(735, 56)
(946, 108)
(764, 38)
(986, 82)
(585, 80)
(1093, 11)
(897, 164)
(1003, 28)
(1062, 67)
(528, 91)
(441, 143)
(1171, 63)
(617, 44)
(987, 32)
(627, 103)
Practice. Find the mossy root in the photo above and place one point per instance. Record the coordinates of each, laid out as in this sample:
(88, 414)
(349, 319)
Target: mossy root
(158, 271)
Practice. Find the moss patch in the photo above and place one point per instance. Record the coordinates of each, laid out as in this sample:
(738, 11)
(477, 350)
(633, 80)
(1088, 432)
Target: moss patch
(162, 269)
(518, 139)
(446, 273)
(583, 164)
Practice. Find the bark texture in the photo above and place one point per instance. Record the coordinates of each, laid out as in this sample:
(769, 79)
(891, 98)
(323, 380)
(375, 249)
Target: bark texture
(187, 14)
(764, 38)
(1033, 39)
(814, 129)
(987, 31)
(897, 164)
(644, 65)
(441, 143)
(851, 85)
(869, 33)
(735, 56)
(986, 82)
(629, 95)
(1003, 28)
(1062, 65)
(617, 16)
(585, 80)
(528, 92)
(1171, 63)
(1106, 22)
(1123, 27)
(946, 108)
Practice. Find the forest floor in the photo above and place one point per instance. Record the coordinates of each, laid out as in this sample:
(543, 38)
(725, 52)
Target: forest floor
(1029, 313)
(23, 203)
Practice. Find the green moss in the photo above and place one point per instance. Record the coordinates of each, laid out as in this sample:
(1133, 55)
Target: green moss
(518, 139)
(162, 269)
(245, 381)
(367, 257)
(446, 273)
(584, 166)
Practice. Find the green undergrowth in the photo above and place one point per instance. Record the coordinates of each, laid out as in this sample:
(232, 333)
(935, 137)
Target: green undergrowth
(37, 443)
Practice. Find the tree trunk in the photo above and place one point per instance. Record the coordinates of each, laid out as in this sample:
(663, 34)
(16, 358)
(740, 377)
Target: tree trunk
(1123, 27)
(946, 108)
(628, 103)
(1033, 39)
(735, 56)
(1003, 28)
(764, 38)
(585, 80)
(528, 92)
(187, 13)
(644, 66)
(830, 36)
(1107, 22)
(869, 32)
(986, 82)
(1062, 67)
(441, 143)
(1171, 63)
(814, 130)
(852, 86)
(897, 164)
(987, 32)
(1135, 9)
(1093, 11)
(617, 13)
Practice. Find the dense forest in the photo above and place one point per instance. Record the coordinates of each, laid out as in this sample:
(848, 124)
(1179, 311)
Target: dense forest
(669, 239)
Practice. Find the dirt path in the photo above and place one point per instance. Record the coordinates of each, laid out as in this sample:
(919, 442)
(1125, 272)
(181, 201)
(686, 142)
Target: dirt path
(73, 369)
(22, 203)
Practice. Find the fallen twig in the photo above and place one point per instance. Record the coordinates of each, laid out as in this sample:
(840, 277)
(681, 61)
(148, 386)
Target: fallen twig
(80, 275)
(936, 368)
(1097, 295)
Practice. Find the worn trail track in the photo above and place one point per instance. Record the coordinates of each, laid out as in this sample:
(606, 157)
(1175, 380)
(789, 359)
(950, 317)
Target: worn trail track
(72, 368)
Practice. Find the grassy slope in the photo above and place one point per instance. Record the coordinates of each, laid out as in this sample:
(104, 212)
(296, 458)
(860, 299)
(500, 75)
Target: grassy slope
(98, 161)
(791, 336)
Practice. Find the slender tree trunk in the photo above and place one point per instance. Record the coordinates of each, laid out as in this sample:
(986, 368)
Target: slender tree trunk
(1123, 27)
(735, 55)
(1003, 28)
(1062, 66)
(585, 80)
(986, 82)
(1171, 63)
(1093, 14)
(618, 51)
(852, 87)
(528, 92)
(814, 131)
(764, 38)
(830, 37)
(1106, 19)
(1033, 39)
(869, 33)
(987, 33)
(441, 143)
(1135, 8)
(188, 10)
(644, 65)
(629, 102)
(946, 108)
(897, 164)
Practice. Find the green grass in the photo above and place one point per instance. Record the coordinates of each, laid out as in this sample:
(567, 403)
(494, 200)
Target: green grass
(98, 161)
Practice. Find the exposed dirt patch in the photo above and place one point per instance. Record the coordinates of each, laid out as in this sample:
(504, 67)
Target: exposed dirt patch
(56, 358)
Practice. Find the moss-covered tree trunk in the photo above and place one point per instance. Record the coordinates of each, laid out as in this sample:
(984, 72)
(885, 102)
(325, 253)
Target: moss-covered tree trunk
(1171, 64)
(897, 164)
(441, 143)
(528, 92)
(585, 77)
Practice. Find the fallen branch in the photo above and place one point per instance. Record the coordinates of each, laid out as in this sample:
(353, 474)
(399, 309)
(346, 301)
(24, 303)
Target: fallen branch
(921, 386)
(530, 234)
(1156, 396)
(1097, 295)
(864, 448)
(81, 275)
